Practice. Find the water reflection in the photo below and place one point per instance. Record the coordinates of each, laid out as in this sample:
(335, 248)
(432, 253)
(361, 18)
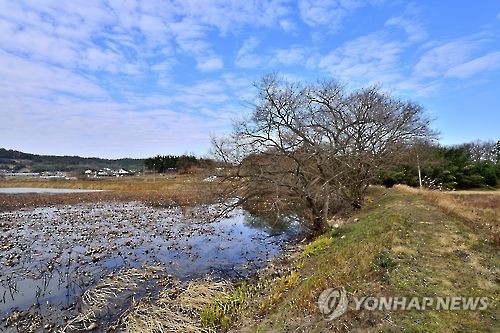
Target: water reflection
(51, 255)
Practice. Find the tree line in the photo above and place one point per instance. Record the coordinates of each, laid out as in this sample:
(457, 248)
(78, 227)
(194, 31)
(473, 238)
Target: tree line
(181, 163)
(13, 160)
(465, 166)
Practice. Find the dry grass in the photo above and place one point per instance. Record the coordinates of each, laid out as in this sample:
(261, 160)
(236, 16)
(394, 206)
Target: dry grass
(177, 308)
(184, 190)
(98, 300)
(481, 209)
(134, 183)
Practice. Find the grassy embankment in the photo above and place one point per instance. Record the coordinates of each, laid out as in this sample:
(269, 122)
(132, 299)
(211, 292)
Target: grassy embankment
(403, 243)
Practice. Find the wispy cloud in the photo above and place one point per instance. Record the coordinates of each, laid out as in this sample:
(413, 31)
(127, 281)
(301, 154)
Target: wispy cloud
(210, 64)
(487, 62)
(21, 77)
(460, 58)
(295, 55)
(68, 65)
(288, 25)
(246, 57)
(410, 22)
(441, 58)
(327, 14)
(372, 57)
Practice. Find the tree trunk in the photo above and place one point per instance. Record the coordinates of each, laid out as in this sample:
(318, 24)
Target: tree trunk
(320, 224)
(326, 208)
(319, 216)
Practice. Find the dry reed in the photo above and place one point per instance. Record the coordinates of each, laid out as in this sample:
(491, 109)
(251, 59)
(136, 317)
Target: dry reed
(97, 300)
(480, 209)
(177, 308)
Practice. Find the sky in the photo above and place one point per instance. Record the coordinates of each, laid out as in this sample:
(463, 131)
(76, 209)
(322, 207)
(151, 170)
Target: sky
(122, 78)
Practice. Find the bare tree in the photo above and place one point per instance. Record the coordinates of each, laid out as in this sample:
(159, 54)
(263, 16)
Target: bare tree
(496, 152)
(318, 146)
(480, 150)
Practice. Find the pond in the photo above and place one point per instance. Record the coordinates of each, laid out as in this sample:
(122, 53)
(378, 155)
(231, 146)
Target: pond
(51, 255)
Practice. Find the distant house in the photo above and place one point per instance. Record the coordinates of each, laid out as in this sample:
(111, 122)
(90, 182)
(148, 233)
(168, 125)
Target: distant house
(24, 174)
(107, 172)
(123, 172)
(102, 173)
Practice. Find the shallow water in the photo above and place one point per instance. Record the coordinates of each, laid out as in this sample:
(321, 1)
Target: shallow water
(22, 190)
(51, 255)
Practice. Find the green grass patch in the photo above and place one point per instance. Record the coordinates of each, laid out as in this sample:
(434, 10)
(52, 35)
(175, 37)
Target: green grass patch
(226, 309)
(317, 246)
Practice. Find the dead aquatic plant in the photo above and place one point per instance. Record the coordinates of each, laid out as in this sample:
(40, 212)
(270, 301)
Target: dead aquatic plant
(175, 310)
(97, 301)
(19, 321)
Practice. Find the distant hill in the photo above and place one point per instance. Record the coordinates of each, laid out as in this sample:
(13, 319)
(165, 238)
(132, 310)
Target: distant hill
(18, 161)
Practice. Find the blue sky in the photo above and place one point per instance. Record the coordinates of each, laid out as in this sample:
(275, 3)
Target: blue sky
(140, 78)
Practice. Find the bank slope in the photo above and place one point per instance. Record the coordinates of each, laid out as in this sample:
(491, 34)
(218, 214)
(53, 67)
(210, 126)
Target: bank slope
(399, 245)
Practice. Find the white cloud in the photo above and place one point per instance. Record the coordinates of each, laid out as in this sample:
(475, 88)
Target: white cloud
(410, 22)
(106, 130)
(23, 77)
(288, 25)
(54, 111)
(229, 16)
(61, 32)
(249, 57)
(488, 62)
(439, 59)
(210, 64)
(294, 55)
(246, 57)
(417, 87)
(372, 57)
(108, 68)
(327, 14)
(201, 94)
(74, 70)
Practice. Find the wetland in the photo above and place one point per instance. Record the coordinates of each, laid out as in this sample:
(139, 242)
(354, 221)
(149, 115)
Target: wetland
(51, 255)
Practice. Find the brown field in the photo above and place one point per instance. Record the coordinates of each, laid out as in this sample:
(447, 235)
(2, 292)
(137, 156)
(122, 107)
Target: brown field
(134, 183)
(481, 209)
(161, 190)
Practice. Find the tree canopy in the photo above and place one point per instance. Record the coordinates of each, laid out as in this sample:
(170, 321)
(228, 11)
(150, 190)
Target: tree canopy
(165, 163)
(319, 145)
(469, 165)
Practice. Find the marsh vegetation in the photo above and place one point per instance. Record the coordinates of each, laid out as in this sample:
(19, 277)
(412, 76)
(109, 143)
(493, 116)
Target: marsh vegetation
(52, 257)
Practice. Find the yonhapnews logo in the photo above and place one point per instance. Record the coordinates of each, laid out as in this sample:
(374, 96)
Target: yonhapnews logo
(333, 303)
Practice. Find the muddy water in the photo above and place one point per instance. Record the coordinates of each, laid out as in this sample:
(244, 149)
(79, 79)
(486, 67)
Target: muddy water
(49, 256)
